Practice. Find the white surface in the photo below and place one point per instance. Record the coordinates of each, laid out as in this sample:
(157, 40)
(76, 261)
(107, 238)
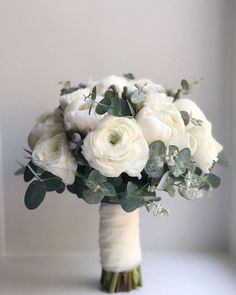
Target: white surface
(164, 274)
(44, 42)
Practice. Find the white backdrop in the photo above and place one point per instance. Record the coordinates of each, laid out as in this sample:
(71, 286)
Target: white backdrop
(44, 42)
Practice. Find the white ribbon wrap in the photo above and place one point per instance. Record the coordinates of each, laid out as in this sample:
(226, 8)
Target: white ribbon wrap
(119, 238)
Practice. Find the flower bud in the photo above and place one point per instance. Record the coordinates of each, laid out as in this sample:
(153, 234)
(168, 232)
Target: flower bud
(72, 145)
(75, 137)
(67, 126)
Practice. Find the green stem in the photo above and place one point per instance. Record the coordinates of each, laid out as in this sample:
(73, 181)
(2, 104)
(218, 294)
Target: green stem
(113, 282)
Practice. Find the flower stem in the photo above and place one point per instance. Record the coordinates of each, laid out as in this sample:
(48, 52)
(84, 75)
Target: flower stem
(112, 282)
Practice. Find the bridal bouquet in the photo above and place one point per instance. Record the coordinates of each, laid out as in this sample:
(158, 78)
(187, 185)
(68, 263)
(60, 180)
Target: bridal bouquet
(124, 143)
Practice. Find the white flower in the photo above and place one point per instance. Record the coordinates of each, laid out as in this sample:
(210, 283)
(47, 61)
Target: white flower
(187, 105)
(159, 119)
(207, 148)
(47, 121)
(185, 140)
(52, 154)
(66, 99)
(153, 99)
(77, 114)
(103, 85)
(116, 145)
(149, 86)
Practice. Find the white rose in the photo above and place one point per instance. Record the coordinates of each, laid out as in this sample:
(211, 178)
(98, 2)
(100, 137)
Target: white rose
(47, 121)
(207, 148)
(103, 85)
(66, 99)
(77, 114)
(116, 145)
(160, 120)
(52, 154)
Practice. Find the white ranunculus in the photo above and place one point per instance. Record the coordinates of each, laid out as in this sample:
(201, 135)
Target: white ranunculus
(187, 105)
(77, 114)
(149, 86)
(154, 99)
(66, 99)
(160, 120)
(207, 148)
(47, 121)
(185, 140)
(103, 85)
(116, 145)
(52, 154)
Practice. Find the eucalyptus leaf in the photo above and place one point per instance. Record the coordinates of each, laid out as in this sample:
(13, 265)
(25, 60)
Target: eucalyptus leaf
(115, 106)
(34, 195)
(155, 164)
(61, 189)
(212, 180)
(92, 197)
(94, 93)
(97, 177)
(186, 117)
(182, 162)
(20, 171)
(28, 174)
(103, 106)
(52, 184)
(185, 85)
(222, 159)
(129, 76)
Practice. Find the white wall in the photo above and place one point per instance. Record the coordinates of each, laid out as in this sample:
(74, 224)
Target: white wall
(233, 142)
(2, 215)
(44, 42)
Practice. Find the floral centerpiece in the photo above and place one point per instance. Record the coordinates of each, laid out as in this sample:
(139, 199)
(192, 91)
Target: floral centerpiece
(121, 142)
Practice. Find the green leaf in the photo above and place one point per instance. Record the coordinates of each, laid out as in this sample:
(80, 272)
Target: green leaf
(222, 159)
(20, 171)
(34, 195)
(28, 174)
(97, 177)
(109, 189)
(94, 93)
(61, 189)
(115, 106)
(103, 106)
(52, 184)
(92, 197)
(133, 198)
(132, 110)
(190, 193)
(155, 164)
(129, 76)
(91, 184)
(185, 85)
(116, 181)
(124, 108)
(75, 188)
(185, 116)
(182, 161)
(212, 180)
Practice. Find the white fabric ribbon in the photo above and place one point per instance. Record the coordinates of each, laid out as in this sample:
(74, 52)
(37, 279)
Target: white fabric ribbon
(119, 238)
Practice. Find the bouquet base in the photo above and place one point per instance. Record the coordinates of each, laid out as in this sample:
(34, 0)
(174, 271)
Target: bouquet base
(113, 282)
